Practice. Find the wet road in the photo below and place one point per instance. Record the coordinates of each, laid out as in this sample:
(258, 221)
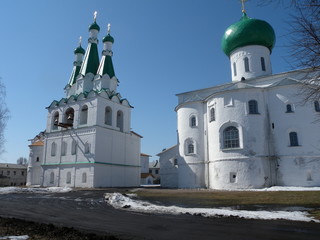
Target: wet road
(86, 210)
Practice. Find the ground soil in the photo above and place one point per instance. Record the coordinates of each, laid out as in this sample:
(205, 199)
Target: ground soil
(85, 215)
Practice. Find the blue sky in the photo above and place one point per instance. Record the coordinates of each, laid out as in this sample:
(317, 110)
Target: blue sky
(161, 48)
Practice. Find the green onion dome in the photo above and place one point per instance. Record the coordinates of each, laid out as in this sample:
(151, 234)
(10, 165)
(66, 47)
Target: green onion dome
(246, 32)
(94, 26)
(108, 38)
(79, 50)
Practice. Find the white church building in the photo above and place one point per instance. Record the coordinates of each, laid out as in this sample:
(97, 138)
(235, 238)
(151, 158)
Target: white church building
(252, 132)
(88, 140)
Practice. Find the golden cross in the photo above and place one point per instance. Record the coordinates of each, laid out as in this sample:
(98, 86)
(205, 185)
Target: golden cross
(95, 15)
(242, 2)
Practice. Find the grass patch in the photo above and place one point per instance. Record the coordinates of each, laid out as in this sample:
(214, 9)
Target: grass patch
(239, 199)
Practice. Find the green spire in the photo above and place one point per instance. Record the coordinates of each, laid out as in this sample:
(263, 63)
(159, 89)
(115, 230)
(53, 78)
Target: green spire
(91, 60)
(248, 31)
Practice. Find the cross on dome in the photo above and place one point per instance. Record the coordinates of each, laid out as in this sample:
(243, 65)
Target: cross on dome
(95, 15)
(109, 25)
(242, 3)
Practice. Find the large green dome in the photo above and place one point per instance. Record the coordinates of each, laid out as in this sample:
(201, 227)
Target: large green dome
(246, 32)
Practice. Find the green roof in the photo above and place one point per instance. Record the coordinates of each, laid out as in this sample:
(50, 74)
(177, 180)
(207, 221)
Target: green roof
(79, 50)
(91, 60)
(108, 38)
(248, 31)
(94, 26)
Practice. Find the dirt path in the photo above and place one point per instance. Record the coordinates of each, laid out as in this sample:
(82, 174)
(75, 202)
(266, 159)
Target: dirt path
(86, 210)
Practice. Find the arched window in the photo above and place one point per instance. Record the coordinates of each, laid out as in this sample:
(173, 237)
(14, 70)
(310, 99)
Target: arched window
(38, 159)
(293, 139)
(190, 148)
(86, 147)
(193, 121)
(108, 116)
(316, 106)
(63, 148)
(84, 177)
(84, 115)
(51, 178)
(68, 117)
(246, 64)
(234, 69)
(231, 137)
(120, 120)
(289, 108)
(53, 149)
(74, 148)
(68, 179)
(263, 64)
(253, 107)
(212, 115)
(55, 121)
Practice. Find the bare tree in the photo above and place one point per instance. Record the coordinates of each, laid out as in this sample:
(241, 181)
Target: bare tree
(304, 42)
(4, 115)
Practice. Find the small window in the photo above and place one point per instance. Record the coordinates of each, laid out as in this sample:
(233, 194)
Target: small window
(52, 178)
(55, 121)
(157, 171)
(263, 64)
(108, 116)
(8, 173)
(84, 115)
(175, 162)
(293, 139)
(22, 173)
(69, 117)
(68, 179)
(316, 106)
(231, 137)
(234, 69)
(63, 148)
(53, 149)
(38, 159)
(74, 148)
(289, 108)
(253, 107)
(190, 148)
(120, 120)
(212, 115)
(86, 148)
(150, 171)
(193, 121)
(84, 177)
(233, 177)
(14, 173)
(246, 64)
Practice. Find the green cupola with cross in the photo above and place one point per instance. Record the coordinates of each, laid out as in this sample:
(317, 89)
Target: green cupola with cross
(248, 43)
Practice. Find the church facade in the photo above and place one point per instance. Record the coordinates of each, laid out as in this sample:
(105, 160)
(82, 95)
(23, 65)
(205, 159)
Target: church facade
(88, 140)
(250, 133)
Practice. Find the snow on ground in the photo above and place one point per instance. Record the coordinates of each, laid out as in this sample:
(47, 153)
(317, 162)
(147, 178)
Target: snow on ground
(24, 237)
(6, 190)
(279, 188)
(119, 201)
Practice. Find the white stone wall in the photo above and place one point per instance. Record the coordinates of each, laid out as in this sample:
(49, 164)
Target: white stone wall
(169, 161)
(254, 54)
(34, 171)
(191, 166)
(144, 160)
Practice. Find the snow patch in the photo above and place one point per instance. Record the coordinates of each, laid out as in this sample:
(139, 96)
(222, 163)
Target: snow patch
(119, 201)
(6, 190)
(24, 237)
